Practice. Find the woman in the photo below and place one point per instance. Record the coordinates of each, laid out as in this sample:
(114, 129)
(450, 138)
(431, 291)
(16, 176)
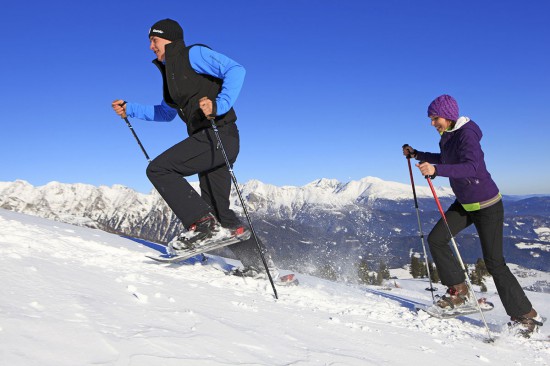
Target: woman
(479, 202)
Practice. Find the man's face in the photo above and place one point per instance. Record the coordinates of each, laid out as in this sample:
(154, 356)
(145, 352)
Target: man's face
(157, 46)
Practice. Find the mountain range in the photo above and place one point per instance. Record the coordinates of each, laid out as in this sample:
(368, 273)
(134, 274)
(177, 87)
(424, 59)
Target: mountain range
(323, 223)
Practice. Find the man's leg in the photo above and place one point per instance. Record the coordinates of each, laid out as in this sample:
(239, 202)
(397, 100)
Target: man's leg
(195, 154)
(215, 188)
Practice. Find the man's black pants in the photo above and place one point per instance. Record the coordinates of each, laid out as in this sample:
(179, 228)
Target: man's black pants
(200, 154)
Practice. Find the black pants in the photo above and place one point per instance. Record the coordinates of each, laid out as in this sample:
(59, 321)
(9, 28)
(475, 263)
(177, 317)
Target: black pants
(489, 224)
(200, 154)
(197, 154)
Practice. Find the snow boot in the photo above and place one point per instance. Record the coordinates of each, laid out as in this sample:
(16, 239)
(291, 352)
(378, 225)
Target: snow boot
(206, 230)
(240, 231)
(527, 324)
(248, 271)
(254, 272)
(457, 295)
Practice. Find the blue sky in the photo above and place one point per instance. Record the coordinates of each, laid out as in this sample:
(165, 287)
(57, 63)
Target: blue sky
(333, 88)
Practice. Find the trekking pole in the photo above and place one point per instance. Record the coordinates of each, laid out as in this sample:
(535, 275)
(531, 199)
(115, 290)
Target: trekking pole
(135, 135)
(235, 183)
(420, 225)
(142, 148)
(471, 288)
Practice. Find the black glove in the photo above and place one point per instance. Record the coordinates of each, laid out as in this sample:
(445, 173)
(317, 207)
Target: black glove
(409, 153)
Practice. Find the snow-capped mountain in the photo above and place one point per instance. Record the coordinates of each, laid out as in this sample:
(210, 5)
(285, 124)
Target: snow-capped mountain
(322, 223)
(120, 209)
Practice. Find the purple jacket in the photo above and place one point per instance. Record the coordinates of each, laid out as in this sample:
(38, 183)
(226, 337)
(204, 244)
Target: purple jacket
(462, 161)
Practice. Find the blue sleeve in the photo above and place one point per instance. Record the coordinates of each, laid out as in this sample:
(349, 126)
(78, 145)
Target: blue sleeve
(205, 61)
(160, 113)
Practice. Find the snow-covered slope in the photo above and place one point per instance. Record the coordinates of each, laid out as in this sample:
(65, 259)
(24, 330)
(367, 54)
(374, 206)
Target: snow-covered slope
(78, 296)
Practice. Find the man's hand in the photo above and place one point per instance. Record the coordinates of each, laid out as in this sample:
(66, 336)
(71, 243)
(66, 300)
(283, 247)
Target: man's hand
(207, 107)
(119, 106)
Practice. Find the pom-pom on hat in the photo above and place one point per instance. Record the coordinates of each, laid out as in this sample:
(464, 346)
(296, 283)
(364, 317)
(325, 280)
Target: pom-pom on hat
(444, 106)
(168, 29)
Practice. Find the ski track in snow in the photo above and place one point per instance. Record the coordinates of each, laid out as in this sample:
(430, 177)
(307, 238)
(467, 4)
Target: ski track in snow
(78, 296)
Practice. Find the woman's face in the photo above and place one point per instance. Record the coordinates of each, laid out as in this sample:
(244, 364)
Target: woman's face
(440, 124)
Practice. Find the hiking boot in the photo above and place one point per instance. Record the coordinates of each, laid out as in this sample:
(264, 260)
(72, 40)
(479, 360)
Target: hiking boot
(197, 233)
(240, 231)
(205, 231)
(248, 271)
(254, 272)
(526, 324)
(457, 295)
(257, 274)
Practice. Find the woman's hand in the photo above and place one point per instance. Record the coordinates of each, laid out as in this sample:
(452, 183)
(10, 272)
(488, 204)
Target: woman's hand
(426, 169)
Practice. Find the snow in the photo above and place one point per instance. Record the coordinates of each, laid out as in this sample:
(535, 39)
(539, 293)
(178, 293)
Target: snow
(543, 233)
(330, 192)
(543, 247)
(78, 296)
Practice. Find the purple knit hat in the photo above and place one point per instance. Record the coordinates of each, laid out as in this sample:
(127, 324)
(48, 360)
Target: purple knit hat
(444, 106)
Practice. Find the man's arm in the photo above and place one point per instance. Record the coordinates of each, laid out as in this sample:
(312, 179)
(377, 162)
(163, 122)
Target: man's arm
(205, 61)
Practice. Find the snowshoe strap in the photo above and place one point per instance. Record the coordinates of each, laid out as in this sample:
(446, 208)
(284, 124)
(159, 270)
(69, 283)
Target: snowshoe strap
(448, 301)
(525, 320)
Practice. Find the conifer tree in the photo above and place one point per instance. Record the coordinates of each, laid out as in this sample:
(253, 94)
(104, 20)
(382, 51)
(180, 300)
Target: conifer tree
(384, 271)
(481, 268)
(434, 274)
(483, 287)
(415, 266)
(475, 278)
(382, 274)
(423, 271)
(363, 272)
(328, 272)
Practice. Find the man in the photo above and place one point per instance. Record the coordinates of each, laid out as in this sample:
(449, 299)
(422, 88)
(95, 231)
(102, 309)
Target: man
(199, 84)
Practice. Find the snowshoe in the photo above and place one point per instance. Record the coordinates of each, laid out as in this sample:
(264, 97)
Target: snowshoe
(525, 326)
(465, 309)
(255, 273)
(197, 233)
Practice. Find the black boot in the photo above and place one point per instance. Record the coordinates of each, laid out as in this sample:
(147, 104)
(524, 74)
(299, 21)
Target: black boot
(198, 232)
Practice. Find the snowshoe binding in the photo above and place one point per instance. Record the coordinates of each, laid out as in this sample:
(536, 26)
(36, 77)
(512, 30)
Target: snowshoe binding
(255, 273)
(525, 325)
